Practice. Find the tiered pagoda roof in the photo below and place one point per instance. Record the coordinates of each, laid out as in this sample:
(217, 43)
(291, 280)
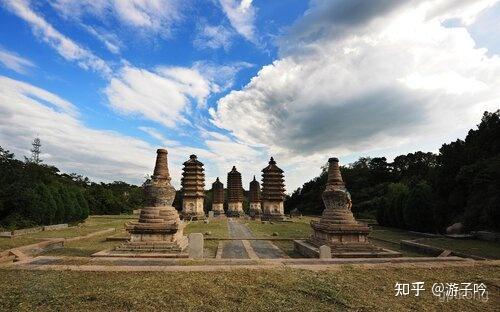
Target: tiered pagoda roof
(234, 187)
(218, 192)
(254, 196)
(193, 178)
(273, 182)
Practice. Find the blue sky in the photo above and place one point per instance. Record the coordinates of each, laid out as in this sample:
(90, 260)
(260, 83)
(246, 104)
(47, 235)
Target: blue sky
(105, 83)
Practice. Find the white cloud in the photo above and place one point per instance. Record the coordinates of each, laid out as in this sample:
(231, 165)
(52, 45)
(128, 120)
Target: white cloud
(15, 62)
(66, 47)
(27, 111)
(162, 95)
(110, 41)
(213, 37)
(242, 15)
(351, 81)
(156, 16)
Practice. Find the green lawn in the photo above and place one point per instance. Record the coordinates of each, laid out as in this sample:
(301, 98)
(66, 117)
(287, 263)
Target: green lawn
(391, 234)
(86, 247)
(347, 288)
(217, 227)
(298, 228)
(474, 247)
(91, 225)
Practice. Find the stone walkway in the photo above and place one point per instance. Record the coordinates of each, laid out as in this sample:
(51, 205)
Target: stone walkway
(247, 247)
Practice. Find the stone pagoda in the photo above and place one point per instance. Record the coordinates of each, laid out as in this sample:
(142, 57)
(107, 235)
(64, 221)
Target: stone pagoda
(234, 194)
(218, 197)
(193, 193)
(254, 199)
(273, 192)
(159, 227)
(337, 227)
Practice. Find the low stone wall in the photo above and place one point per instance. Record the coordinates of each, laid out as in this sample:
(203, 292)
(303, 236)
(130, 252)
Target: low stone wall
(421, 248)
(27, 231)
(55, 227)
(33, 230)
(433, 251)
(487, 236)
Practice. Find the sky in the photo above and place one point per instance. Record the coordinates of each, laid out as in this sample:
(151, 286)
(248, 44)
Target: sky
(103, 84)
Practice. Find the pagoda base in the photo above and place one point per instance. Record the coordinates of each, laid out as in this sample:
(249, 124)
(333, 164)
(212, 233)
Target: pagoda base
(344, 240)
(218, 209)
(255, 211)
(193, 216)
(272, 211)
(272, 217)
(192, 209)
(155, 236)
(235, 210)
(309, 250)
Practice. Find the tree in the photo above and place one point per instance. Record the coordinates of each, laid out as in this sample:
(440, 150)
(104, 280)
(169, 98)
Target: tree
(36, 151)
(418, 209)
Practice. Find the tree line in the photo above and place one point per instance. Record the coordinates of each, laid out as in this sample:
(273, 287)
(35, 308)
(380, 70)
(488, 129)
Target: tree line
(423, 191)
(33, 193)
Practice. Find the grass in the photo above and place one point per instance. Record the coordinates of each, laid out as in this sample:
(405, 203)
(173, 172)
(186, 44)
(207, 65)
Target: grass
(474, 247)
(298, 228)
(345, 289)
(217, 227)
(392, 234)
(86, 247)
(91, 225)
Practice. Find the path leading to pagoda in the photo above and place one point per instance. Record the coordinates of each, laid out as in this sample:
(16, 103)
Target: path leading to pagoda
(246, 247)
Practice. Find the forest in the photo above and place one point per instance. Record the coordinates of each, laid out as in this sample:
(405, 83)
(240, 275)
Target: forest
(33, 193)
(423, 191)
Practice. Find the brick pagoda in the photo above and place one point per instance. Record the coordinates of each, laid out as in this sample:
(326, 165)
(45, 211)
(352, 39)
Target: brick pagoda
(273, 192)
(193, 193)
(218, 197)
(254, 199)
(234, 194)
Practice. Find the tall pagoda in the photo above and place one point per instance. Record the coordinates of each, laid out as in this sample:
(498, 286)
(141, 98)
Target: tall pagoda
(159, 227)
(234, 194)
(193, 183)
(218, 197)
(254, 199)
(273, 192)
(337, 228)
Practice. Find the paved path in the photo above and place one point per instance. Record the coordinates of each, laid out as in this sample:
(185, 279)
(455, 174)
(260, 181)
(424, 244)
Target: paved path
(247, 248)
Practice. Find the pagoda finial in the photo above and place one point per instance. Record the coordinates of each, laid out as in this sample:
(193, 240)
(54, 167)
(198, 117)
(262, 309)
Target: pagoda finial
(272, 162)
(193, 156)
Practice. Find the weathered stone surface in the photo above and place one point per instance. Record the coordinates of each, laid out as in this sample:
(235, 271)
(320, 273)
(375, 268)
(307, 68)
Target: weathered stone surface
(255, 210)
(55, 227)
(27, 231)
(234, 194)
(195, 249)
(218, 197)
(159, 223)
(337, 227)
(325, 252)
(193, 192)
(273, 192)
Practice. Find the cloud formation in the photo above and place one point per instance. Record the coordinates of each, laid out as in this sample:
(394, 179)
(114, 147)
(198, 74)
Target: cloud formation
(15, 62)
(242, 15)
(154, 16)
(66, 47)
(352, 80)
